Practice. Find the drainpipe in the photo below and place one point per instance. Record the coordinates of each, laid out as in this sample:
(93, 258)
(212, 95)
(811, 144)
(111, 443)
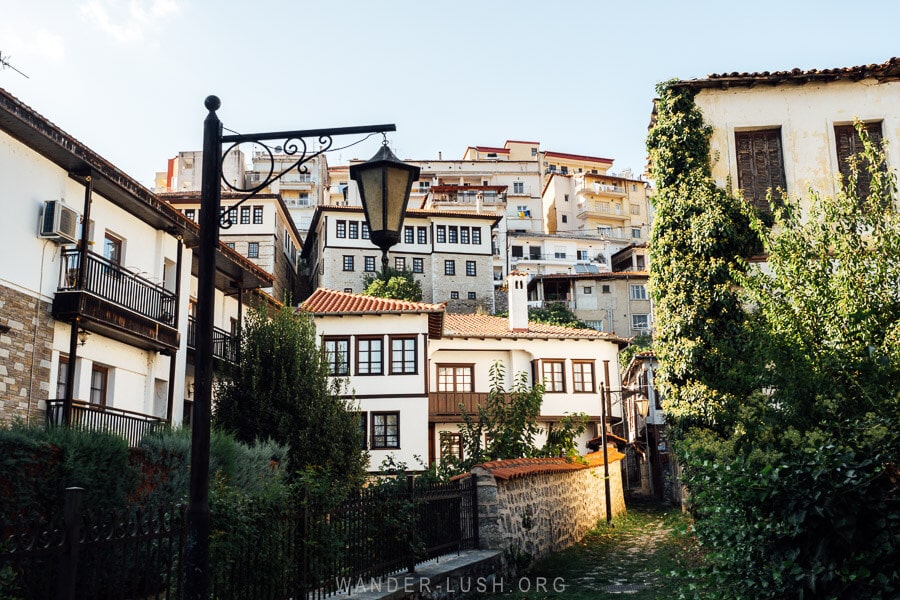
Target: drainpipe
(79, 284)
(178, 258)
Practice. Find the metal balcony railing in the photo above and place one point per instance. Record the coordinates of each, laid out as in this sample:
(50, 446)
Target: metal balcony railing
(224, 344)
(111, 282)
(84, 415)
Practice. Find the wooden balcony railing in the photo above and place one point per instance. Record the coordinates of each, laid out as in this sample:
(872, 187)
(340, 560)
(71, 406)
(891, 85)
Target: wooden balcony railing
(84, 415)
(224, 344)
(111, 282)
(448, 403)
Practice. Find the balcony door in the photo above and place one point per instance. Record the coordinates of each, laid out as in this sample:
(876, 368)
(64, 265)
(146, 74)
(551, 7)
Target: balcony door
(99, 383)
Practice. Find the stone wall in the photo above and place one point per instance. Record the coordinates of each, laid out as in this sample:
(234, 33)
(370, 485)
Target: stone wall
(531, 507)
(25, 356)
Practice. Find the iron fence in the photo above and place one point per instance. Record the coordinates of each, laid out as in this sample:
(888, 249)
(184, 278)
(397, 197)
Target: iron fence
(299, 551)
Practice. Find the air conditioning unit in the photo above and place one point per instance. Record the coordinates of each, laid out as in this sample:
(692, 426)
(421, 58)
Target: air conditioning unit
(59, 222)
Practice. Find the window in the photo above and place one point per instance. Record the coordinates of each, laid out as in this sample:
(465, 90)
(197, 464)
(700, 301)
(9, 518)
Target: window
(190, 213)
(369, 264)
(451, 446)
(385, 430)
(449, 267)
(641, 322)
(252, 249)
(409, 235)
(566, 197)
(348, 262)
(597, 325)
(348, 290)
(353, 229)
(364, 233)
(639, 262)
(635, 209)
(582, 254)
(518, 187)
(554, 375)
(453, 236)
(635, 232)
(232, 215)
(464, 235)
(257, 215)
(476, 235)
(455, 378)
(516, 251)
(559, 252)
(454, 295)
(418, 265)
(760, 164)
(337, 355)
(99, 380)
(424, 186)
(564, 169)
(441, 234)
(245, 215)
(470, 268)
(471, 296)
(604, 289)
(583, 376)
(638, 292)
(565, 219)
(400, 263)
(369, 356)
(403, 355)
(230, 245)
(848, 144)
(112, 249)
(363, 430)
(422, 233)
(588, 289)
(61, 373)
(340, 229)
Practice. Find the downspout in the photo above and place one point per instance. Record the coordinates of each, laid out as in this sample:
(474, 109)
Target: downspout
(79, 285)
(172, 373)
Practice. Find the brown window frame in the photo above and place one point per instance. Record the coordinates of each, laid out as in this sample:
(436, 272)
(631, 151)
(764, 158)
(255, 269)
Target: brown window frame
(760, 155)
(448, 442)
(331, 365)
(403, 371)
(551, 387)
(103, 390)
(578, 370)
(369, 338)
(62, 375)
(470, 367)
(375, 445)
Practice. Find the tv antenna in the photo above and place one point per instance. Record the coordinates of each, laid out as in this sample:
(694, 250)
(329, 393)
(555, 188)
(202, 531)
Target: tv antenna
(4, 64)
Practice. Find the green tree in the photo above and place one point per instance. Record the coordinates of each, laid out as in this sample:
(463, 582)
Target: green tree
(556, 314)
(780, 384)
(393, 283)
(282, 390)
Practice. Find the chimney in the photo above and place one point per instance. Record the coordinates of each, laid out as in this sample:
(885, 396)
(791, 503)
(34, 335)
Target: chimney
(517, 289)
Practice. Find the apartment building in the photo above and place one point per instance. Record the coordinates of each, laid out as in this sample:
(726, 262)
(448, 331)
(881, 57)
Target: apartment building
(96, 293)
(448, 252)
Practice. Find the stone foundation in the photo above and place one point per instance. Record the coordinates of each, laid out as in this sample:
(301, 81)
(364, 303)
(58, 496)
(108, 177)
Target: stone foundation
(25, 356)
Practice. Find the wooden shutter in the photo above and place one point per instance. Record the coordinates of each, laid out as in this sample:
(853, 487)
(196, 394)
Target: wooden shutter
(848, 144)
(760, 164)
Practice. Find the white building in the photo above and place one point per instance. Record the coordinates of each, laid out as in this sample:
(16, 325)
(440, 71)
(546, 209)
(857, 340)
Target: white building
(113, 314)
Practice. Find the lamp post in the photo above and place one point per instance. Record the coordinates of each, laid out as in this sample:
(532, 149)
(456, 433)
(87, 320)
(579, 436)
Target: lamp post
(384, 186)
(196, 558)
(642, 405)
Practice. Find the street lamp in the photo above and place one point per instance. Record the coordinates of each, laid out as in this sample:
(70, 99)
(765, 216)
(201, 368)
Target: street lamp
(196, 554)
(384, 186)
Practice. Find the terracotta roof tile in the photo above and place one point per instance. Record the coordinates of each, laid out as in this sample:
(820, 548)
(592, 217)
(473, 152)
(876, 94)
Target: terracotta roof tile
(889, 71)
(520, 467)
(481, 326)
(324, 301)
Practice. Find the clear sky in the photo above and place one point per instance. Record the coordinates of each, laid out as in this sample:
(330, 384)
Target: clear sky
(128, 77)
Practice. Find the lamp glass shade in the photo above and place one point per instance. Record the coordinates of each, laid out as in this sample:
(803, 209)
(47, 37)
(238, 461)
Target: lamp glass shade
(384, 186)
(643, 406)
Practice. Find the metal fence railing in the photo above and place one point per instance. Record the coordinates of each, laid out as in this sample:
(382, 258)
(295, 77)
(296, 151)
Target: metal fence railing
(133, 426)
(301, 551)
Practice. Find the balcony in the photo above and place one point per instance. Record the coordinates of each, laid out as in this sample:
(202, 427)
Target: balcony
(225, 345)
(95, 417)
(116, 303)
(468, 194)
(597, 209)
(444, 406)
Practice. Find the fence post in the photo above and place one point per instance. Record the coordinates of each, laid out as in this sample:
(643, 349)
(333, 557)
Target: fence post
(475, 511)
(413, 528)
(68, 568)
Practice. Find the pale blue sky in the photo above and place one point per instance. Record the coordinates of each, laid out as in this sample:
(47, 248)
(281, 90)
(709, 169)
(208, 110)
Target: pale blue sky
(128, 78)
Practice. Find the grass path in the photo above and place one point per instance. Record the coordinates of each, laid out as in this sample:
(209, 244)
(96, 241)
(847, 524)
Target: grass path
(632, 560)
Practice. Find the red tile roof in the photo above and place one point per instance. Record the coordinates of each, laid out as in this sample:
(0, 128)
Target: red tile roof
(888, 71)
(486, 326)
(520, 467)
(325, 302)
(578, 157)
